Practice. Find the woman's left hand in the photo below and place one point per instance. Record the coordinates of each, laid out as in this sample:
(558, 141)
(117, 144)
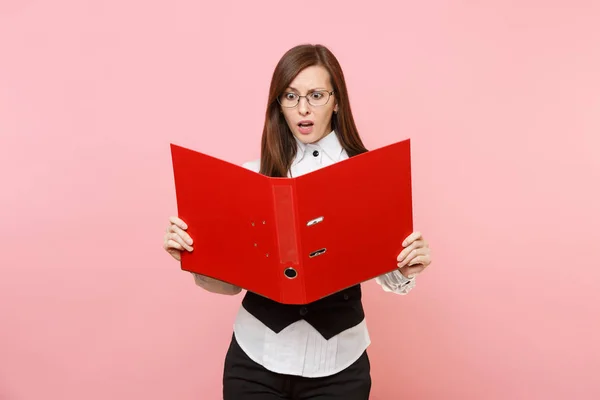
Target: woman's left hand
(415, 257)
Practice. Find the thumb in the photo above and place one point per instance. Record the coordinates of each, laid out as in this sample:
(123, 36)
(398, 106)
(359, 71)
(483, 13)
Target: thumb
(175, 253)
(410, 271)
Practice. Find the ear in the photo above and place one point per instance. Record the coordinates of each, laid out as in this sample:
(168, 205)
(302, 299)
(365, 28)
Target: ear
(335, 109)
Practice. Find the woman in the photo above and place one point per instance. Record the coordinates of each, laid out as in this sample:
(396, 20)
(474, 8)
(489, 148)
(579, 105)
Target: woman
(317, 351)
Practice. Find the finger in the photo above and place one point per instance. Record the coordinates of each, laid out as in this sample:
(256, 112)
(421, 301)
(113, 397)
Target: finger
(411, 272)
(411, 247)
(172, 244)
(411, 238)
(176, 238)
(176, 254)
(178, 221)
(423, 260)
(414, 253)
(183, 234)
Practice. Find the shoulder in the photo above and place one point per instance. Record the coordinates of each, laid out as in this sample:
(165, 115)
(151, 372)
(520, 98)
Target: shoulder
(253, 165)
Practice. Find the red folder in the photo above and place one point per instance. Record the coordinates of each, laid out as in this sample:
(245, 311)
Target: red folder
(295, 240)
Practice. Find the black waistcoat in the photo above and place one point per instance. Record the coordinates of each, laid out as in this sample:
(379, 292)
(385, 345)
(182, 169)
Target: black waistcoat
(329, 315)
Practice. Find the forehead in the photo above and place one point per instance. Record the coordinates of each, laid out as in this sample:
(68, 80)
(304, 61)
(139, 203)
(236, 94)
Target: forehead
(310, 78)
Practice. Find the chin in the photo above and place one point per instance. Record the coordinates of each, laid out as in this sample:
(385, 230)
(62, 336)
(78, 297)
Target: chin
(313, 137)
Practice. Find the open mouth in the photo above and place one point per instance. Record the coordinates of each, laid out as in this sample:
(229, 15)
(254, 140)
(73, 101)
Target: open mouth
(305, 127)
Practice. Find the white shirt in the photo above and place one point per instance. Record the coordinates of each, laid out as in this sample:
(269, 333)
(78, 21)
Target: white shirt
(299, 349)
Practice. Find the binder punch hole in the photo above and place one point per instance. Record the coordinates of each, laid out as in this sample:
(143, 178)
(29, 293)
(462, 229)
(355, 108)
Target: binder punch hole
(317, 253)
(314, 221)
(290, 273)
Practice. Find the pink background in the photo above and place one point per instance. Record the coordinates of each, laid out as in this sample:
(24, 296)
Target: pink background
(502, 102)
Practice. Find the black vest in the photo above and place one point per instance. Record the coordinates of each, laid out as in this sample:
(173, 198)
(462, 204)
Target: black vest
(329, 315)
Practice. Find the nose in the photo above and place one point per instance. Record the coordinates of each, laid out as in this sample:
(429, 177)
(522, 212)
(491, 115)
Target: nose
(303, 106)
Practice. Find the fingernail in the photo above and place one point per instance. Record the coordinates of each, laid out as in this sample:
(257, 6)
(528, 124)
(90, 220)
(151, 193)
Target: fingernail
(411, 276)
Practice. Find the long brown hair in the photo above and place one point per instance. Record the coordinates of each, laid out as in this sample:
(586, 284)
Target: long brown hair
(278, 146)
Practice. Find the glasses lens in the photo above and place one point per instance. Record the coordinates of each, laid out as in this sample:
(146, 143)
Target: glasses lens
(288, 99)
(318, 98)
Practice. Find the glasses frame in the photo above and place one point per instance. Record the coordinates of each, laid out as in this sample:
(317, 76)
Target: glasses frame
(329, 93)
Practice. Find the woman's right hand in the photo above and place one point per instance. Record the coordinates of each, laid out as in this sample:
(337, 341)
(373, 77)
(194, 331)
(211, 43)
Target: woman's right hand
(176, 238)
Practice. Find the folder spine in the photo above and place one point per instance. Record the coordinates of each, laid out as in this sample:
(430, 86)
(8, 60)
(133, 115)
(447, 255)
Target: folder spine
(288, 243)
(285, 221)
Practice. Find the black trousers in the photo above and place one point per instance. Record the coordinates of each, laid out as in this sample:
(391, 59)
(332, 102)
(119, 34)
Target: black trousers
(244, 379)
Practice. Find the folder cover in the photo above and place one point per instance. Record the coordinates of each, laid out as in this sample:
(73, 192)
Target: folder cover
(295, 240)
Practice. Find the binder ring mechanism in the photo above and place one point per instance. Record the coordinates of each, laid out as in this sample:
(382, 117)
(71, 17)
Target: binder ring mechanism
(311, 223)
(315, 221)
(290, 272)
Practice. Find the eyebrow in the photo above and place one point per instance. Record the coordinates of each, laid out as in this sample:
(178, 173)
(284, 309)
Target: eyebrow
(310, 90)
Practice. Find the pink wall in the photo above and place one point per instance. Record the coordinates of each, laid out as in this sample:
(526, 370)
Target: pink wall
(500, 98)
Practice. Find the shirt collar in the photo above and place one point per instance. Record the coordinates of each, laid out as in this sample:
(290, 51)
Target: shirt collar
(329, 144)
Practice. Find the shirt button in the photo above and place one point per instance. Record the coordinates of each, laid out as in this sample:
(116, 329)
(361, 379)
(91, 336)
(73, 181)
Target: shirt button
(346, 297)
(316, 153)
(303, 311)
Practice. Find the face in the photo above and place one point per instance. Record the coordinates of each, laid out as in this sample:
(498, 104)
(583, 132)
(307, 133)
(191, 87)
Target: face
(309, 123)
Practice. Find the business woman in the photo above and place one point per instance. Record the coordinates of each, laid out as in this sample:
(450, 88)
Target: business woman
(316, 351)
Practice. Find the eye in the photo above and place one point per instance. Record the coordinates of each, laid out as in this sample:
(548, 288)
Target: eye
(289, 96)
(316, 95)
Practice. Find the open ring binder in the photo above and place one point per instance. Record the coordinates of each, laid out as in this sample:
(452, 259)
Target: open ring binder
(295, 240)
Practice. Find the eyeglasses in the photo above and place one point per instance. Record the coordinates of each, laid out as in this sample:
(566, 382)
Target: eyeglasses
(317, 98)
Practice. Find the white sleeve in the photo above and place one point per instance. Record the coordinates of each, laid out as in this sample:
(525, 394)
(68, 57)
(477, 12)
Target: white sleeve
(253, 165)
(214, 285)
(395, 282)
